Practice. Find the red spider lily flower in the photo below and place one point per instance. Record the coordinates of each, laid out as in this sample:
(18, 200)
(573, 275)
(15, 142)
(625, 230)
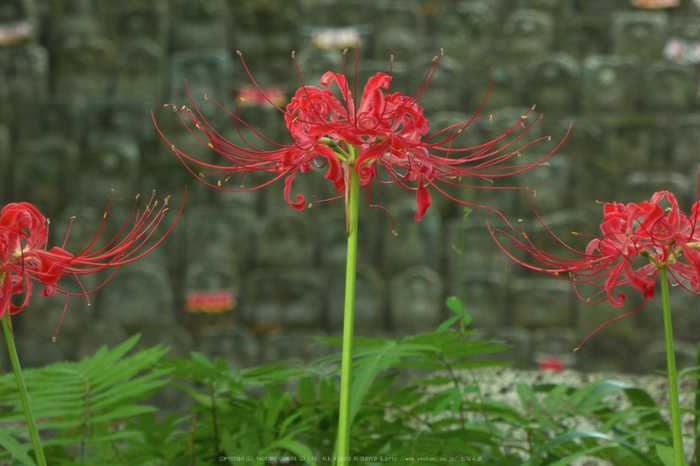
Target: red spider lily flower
(637, 241)
(24, 257)
(385, 130)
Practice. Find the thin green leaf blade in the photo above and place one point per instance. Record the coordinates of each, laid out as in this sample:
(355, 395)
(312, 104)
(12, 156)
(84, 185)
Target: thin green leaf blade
(14, 447)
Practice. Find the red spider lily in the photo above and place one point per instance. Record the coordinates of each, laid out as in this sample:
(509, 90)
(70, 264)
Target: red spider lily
(24, 257)
(657, 237)
(386, 130)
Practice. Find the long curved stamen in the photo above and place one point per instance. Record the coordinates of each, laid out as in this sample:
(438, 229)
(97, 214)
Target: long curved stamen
(608, 322)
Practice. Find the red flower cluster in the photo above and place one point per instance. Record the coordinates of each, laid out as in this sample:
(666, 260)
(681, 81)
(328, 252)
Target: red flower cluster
(386, 130)
(24, 257)
(658, 237)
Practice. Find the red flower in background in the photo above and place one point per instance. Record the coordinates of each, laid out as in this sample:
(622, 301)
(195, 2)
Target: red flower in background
(386, 130)
(24, 258)
(637, 241)
(210, 301)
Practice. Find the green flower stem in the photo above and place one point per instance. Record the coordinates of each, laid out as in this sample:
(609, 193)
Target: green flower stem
(697, 416)
(22, 388)
(348, 322)
(679, 457)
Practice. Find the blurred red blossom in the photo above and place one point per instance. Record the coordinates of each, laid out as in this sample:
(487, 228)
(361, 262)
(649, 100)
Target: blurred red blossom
(210, 301)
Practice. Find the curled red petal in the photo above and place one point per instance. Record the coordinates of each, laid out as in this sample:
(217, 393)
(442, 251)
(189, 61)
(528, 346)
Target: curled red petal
(423, 200)
(301, 203)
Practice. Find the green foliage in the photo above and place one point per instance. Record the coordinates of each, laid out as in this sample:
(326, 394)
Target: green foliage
(82, 409)
(414, 398)
(555, 413)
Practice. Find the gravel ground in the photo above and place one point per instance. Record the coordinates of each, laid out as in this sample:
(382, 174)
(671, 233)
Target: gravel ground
(500, 384)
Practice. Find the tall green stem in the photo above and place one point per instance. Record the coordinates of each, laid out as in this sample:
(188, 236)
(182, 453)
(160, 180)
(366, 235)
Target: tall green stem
(22, 388)
(679, 458)
(697, 416)
(348, 322)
